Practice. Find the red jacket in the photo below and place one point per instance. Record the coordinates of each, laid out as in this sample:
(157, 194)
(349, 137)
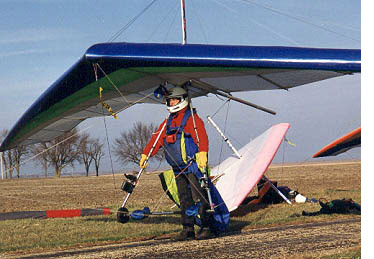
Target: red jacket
(189, 128)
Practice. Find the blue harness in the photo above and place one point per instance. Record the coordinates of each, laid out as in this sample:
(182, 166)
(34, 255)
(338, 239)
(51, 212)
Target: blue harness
(173, 155)
(173, 145)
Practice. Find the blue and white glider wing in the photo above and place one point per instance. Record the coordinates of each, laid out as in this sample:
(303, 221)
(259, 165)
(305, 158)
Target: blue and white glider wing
(128, 73)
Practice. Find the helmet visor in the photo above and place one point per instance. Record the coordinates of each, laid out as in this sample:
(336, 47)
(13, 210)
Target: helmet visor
(172, 100)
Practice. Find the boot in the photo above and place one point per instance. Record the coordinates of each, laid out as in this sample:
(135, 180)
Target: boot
(185, 234)
(204, 233)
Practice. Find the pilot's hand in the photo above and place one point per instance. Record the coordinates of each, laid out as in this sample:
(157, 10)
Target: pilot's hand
(142, 163)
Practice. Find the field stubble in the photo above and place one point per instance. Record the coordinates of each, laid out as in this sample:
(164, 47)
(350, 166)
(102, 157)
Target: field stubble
(329, 181)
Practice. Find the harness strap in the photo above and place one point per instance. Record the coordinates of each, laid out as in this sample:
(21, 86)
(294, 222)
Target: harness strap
(186, 116)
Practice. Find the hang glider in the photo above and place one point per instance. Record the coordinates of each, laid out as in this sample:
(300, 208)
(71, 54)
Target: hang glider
(236, 177)
(129, 73)
(341, 145)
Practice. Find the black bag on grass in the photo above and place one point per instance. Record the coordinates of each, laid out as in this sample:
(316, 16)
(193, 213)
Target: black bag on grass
(343, 206)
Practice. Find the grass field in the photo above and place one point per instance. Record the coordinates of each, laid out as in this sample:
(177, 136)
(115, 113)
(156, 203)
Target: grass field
(323, 180)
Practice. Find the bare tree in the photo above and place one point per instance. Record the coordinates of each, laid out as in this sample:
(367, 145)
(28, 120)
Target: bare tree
(37, 151)
(97, 153)
(17, 155)
(4, 132)
(84, 155)
(62, 151)
(90, 150)
(130, 145)
(7, 158)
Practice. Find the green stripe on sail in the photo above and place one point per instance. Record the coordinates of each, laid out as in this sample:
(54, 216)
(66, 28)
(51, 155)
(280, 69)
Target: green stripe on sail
(89, 92)
(120, 78)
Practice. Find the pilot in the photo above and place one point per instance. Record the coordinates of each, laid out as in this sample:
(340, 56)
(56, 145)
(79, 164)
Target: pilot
(186, 151)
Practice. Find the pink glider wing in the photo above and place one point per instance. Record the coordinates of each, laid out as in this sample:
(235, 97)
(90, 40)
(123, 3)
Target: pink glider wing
(237, 177)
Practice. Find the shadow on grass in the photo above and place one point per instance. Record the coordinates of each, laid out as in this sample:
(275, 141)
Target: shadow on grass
(157, 219)
(236, 225)
(151, 219)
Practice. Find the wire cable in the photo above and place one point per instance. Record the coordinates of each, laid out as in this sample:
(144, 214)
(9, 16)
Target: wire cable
(125, 27)
(303, 20)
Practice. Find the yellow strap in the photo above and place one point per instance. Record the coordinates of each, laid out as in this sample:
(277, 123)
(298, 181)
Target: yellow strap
(289, 142)
(106, 106)
(183, 148)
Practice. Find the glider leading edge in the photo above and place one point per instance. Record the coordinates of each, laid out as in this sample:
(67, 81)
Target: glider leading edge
(128, 73)
(341, 145)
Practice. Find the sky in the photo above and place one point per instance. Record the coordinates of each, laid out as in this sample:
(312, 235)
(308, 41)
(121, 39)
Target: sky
(41, 39)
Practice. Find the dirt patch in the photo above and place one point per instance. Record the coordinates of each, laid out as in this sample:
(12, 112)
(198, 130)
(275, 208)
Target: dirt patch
(295, 241)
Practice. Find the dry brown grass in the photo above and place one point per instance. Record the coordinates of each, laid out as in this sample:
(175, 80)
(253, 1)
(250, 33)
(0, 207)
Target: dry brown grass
(330, 181)
(76, 193)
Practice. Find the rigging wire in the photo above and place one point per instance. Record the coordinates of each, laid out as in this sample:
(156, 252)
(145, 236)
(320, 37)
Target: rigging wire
(214, 114)
(262, 25)
(199, 21)
(224, 131)
(300, 19)
(109, 150)
(95, 66)
(123, 97)
(283, 155)
(125, 27)
(275, 32)
(173, 8)
(45, 150)
(111, 82)
(225, 6)
(170, 25)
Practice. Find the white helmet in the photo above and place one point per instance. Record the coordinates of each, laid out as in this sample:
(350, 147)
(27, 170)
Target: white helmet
(177, 93)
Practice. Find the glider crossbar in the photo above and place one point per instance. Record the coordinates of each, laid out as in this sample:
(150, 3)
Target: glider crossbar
(272, 82)
(207, 87)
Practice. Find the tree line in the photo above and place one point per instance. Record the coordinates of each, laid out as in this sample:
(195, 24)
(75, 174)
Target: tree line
(74, 148)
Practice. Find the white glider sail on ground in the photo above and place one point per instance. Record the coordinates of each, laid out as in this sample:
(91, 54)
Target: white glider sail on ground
(237, 176)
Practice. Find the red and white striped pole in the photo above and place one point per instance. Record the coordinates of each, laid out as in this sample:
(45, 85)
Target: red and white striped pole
(183, 15)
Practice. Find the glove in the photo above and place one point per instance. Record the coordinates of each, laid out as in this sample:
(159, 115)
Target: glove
(142, 161)
(202, 159)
